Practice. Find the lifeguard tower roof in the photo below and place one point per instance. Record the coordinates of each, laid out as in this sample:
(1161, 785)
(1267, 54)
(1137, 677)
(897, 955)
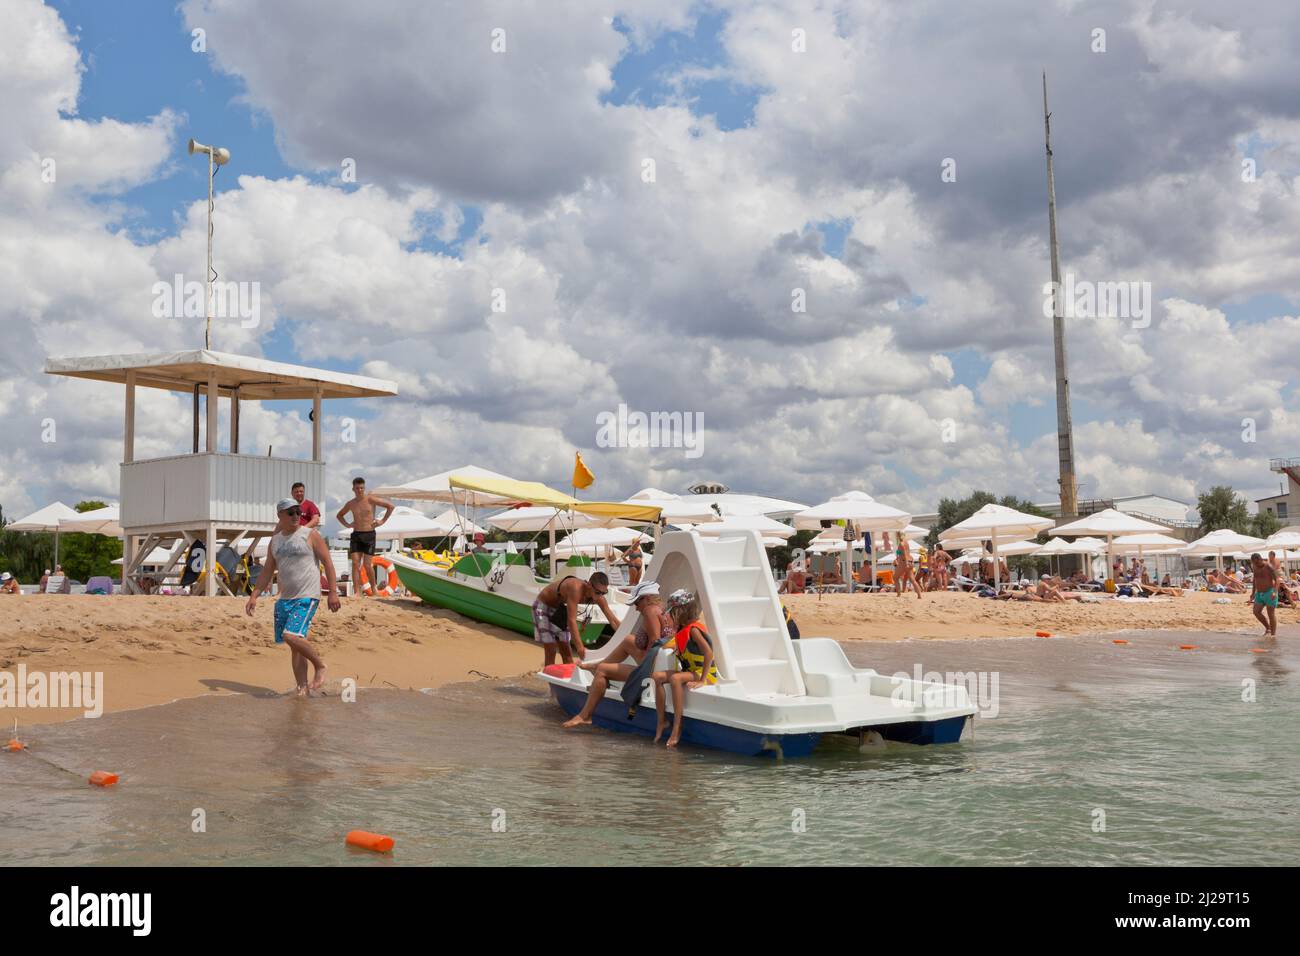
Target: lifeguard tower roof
(256, 379)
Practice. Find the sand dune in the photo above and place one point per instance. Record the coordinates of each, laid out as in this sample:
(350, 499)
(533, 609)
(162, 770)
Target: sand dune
(156, 649)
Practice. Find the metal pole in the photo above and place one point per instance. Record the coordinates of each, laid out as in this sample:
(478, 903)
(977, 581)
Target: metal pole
(1064, 421)
(207, 334)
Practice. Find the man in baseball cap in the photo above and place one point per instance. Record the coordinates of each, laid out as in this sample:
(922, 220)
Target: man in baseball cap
(296, 555)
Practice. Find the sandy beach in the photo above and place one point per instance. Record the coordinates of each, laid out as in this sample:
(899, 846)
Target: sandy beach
(156, 649)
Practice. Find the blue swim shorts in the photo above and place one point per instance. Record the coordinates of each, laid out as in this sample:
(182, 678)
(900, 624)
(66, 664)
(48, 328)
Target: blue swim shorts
(293, 616)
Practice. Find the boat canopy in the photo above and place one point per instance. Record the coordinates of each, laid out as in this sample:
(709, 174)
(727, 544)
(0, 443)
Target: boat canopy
(536, 493)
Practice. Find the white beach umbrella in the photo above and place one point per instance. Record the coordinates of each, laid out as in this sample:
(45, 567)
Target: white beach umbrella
(453, 522)
(1282, 540)
(1221, 542)
(1109, 523)
(533, 518)
(997, 524)
(1150, 543)
(866, 514)
(733, 504)
(46, 519)
(594, 540)
(104, 521)
(765, 526)
(674, 509)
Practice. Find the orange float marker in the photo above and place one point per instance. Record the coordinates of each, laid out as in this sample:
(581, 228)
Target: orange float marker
(1259, 650)
(15, 745)
(1187, 647)
(562, 671)
(102, 778)
(1118, 641)
(366, 840)
(1042, 633)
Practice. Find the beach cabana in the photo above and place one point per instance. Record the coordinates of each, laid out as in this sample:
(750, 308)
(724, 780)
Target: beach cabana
(765, 526)
(999, 525)
(211, 494)
(47, 520)
(729, 504)
(674, 508)
(438, 488)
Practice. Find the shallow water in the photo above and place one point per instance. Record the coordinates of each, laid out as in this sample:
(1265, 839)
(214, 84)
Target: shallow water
(1160, 739)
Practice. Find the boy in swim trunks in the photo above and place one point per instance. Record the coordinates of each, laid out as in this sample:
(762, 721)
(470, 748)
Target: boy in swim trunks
(1264, 594)
(296, 552)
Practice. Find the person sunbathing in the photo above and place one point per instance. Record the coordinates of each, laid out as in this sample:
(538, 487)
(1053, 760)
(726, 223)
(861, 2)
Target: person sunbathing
(1158, 588)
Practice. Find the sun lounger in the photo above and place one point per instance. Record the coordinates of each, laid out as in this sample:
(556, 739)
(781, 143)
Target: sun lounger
(58, 584)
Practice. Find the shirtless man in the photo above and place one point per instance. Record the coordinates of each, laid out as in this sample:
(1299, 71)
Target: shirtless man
(1264, 594)
(559, 601)
(616, 666)
(361, 545)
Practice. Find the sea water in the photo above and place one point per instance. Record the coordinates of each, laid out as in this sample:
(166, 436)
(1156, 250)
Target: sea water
(1099, 753)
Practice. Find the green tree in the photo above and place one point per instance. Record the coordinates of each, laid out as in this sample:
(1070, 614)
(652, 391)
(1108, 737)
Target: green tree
(84, 556)
(1265, 524)
(1221, 507)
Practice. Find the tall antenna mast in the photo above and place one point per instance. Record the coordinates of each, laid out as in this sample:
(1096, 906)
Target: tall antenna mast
(1064, 421)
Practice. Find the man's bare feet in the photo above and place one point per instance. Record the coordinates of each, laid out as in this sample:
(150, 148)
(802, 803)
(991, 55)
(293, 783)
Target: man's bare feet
(319, 680)
(674, 740)
(588, 665)
(576, 721)
(659, 730)
(300, 690)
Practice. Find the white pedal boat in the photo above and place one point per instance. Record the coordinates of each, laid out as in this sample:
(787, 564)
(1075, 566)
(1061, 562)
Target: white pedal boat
(775, 696)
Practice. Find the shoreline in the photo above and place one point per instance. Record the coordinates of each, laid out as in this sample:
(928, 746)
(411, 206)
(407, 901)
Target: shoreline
(156, 650)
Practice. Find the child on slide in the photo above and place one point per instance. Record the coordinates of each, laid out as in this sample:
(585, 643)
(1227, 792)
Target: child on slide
(694, 658)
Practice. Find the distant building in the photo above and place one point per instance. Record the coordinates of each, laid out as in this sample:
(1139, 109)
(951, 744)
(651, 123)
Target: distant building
(708, 488)
(1285, 506)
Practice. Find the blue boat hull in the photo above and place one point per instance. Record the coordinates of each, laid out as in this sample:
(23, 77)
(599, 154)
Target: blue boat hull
(611, 714)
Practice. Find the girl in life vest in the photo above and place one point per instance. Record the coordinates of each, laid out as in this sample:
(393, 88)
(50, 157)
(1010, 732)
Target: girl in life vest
(694, 660)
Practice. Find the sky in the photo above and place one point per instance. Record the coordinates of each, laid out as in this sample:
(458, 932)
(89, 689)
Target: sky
(838, 263)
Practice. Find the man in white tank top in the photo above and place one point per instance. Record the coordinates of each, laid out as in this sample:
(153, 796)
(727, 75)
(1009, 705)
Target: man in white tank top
(296, 553)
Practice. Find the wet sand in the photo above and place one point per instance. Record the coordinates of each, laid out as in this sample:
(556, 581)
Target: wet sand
(153, 650)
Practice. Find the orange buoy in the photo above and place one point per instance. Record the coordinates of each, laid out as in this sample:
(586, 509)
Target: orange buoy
(562, 671)
(102, 778)
(15, 745)
(1187, 647)
(1259, 650)
(1042, 633)
(1118, 641)
(366, 840)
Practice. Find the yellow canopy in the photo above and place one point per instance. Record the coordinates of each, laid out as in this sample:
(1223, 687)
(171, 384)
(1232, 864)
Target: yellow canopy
(536, 493)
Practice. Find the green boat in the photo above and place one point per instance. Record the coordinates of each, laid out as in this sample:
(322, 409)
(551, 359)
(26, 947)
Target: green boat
(495, 589)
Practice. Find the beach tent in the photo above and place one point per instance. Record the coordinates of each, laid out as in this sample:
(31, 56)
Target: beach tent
(46, 519)
(104, 521)
(1221, 542)
(866, 513)
(997, 524)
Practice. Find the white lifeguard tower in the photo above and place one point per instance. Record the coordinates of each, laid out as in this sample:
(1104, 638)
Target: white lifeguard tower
(209, 494)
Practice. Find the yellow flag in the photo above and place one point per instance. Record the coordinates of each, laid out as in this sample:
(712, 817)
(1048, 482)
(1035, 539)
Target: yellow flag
(582, 476)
